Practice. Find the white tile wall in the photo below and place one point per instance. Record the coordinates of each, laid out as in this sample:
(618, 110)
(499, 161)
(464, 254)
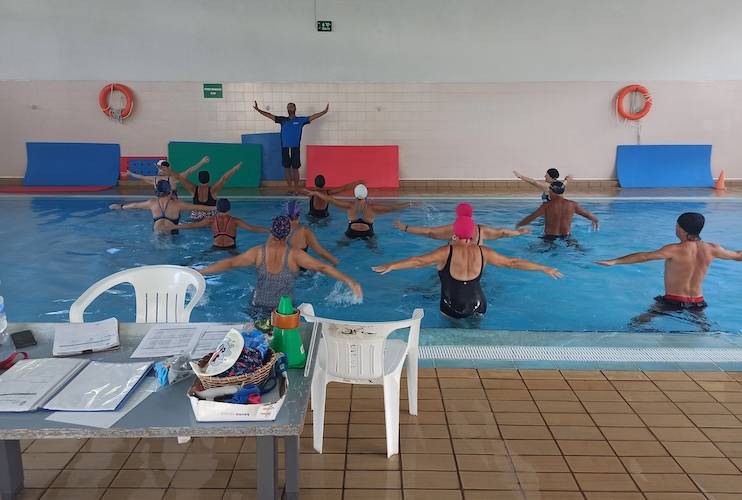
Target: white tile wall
(457, 131)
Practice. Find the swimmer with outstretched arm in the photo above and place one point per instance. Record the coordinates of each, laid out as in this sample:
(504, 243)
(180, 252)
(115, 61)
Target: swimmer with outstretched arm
(165, 208)
(460, 266)
(558, 212)
(277, 265)
(319, 208)
(686, 265)
(205, 194)
(551, 175)
(166, 173)
(361, 212)
(224, 226)
(481, 234)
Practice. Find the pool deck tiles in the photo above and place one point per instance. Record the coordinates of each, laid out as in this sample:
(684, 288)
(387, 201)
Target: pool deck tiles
(488, 433)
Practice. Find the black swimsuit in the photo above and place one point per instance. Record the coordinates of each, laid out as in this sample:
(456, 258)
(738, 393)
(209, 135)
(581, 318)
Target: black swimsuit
(461, 299)
(316, 212)
(175, 221)
(210, 200)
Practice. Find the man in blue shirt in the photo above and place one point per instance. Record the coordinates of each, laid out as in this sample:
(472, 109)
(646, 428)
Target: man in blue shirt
(291, 127)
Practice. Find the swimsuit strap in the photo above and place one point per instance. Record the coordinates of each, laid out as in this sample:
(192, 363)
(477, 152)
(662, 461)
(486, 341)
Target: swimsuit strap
(481, 253)
(479, 234)
(447, 267)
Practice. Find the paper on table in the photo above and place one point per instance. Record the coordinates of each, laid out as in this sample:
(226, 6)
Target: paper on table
(172, 339)
(99, 386)
(168, 340)
(210, 339)
(31, 382)
(78, 338)
(106, 419)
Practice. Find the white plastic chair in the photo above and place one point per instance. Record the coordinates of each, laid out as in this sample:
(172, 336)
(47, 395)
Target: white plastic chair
(361, 353)
(160, 293)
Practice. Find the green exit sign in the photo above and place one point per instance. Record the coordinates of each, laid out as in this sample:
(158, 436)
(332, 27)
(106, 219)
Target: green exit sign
(324, 25)
(213, 91)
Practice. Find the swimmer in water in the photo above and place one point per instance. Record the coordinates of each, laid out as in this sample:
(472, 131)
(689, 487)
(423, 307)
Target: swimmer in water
(482, 232)
(165, 208)
(205, 194)
(460, 266)
(686, 265)
(224, 226)
(277, 265)
(319, 208)
(551, 175)
(558, 213)
(361, 212)
(165, 173)
(301, 237)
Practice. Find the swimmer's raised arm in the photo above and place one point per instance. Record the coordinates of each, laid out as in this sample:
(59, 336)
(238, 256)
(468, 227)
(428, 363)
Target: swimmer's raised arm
(315, 245)
(495, 233)
(264, 113)
(321, 113)
(255, 229)
(663, 253)
(722, 253)
(203, 161)
(303, 259)
(499, 260)
(539, 212)
(227, 175)
(182, 205)
(588, 215)
(533, 182)
(205, 222)
(344, 187)
(436, 257)
(385, 209)
(149, 179)
(130, 206)
(246, 259)
(330, 199)
(435, 233)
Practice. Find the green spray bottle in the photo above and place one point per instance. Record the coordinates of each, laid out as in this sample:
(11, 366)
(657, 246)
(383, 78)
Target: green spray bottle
(286, 333)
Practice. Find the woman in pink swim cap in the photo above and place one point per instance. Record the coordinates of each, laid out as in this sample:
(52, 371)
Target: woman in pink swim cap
(482, 232)
(460, 266)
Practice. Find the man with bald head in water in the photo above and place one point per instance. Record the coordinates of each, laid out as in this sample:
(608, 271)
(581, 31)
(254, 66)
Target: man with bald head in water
(686, 265)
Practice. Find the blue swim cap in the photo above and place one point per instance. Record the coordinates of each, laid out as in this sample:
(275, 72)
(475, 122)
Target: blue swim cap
(163, 188)
(223, 205)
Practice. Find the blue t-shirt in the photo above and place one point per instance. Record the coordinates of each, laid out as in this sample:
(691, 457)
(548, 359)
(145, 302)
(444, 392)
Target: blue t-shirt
(291, 130)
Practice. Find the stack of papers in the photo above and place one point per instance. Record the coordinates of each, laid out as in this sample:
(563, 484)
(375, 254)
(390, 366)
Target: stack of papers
(174, 339)
(99, 387)
(31, 382)
(71, 339)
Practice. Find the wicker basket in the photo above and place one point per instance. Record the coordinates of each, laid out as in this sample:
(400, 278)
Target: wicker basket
(256, 377)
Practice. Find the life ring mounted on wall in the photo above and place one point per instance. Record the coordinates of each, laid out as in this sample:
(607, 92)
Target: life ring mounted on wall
(116, 114)
(628, 90)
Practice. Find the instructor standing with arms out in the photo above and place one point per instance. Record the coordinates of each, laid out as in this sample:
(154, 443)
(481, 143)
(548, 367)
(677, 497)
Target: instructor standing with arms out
(291, 127)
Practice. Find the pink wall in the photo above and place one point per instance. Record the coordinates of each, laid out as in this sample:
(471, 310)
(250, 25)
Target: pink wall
(444, 130)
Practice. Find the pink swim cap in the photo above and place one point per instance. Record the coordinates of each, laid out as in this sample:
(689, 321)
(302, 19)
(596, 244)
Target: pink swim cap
(464, 210)
(463, 228)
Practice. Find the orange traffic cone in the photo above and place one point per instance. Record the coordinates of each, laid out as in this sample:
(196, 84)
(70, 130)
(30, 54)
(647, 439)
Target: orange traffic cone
(720, 184)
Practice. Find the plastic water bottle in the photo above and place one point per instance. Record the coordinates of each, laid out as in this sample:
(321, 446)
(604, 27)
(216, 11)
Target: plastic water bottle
(6, 346)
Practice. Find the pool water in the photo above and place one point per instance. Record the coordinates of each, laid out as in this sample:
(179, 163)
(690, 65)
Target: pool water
(53, 248)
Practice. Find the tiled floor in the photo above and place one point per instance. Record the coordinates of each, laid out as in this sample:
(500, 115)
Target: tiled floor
(487, 434)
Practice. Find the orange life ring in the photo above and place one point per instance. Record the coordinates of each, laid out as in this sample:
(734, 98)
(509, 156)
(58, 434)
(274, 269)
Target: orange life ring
(107, 91)
(642, 112)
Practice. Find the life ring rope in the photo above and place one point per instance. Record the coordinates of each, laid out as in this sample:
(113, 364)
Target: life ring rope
(629, 89)
(105, 93)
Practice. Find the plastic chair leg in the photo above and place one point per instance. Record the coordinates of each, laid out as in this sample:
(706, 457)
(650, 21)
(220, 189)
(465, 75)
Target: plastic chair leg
(319, 390)
(391, 414)
(412, 382)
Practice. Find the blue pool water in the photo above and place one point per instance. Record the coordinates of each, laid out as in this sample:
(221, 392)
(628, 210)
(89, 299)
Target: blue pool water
(54, 248)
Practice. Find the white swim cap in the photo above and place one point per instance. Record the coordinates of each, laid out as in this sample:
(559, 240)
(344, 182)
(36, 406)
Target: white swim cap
(360, 192)
(163, 163)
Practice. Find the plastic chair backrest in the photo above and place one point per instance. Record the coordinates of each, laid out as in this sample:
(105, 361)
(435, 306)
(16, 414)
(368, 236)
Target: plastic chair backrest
(160, 293)
(355, 350)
